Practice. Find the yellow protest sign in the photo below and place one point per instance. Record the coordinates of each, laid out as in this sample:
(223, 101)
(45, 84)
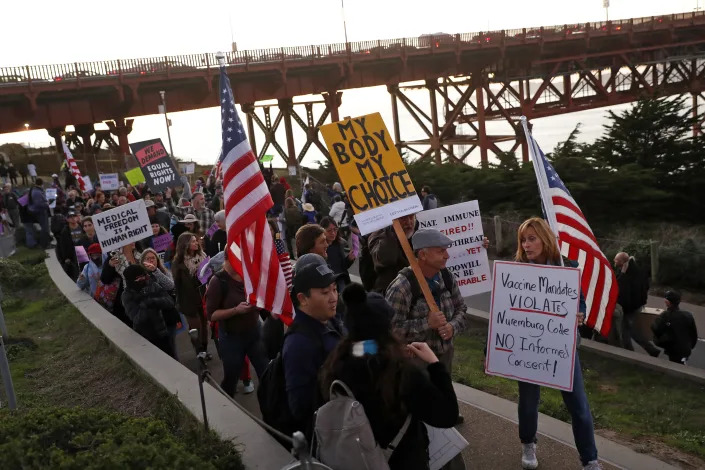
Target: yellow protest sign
(371, 170)
(135, 176)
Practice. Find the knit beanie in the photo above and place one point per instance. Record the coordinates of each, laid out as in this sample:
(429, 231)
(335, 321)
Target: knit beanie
(367, 314)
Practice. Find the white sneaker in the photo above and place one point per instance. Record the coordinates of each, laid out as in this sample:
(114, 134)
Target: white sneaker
(593, 465)
(248, 388)
(528, 456)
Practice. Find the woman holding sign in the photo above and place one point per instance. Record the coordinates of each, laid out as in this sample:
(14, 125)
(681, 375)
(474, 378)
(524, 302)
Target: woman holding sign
(536, 243)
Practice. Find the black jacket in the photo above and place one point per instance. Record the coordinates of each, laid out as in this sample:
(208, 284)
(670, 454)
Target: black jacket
(65, 250)
(338, 262)
(147, 308)
(216, 243)
(633, 287)
(427, 395)
(675, 331)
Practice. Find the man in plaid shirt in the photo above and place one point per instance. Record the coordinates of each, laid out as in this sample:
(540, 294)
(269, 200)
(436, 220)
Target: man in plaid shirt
(205, 216)
(413, 320)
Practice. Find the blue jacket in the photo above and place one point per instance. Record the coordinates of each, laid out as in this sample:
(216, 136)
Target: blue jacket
(302, 358)
(37, 200)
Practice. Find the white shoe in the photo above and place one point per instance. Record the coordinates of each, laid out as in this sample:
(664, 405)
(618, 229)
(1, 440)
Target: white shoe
(248, 388)
(528, 456)
(593, 465)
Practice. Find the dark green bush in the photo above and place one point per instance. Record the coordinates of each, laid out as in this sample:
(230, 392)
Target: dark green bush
(95, 439)
(15, 275)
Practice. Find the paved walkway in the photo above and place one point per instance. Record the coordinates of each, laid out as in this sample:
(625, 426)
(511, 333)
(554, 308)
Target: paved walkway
(489, 428)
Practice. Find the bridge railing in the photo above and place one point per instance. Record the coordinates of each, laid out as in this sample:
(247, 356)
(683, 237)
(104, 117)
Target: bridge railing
(18, 76)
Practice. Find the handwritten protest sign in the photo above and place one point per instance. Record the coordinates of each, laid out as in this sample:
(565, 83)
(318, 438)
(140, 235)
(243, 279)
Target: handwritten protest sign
(87, 183)
(81, 255)
(157, 166)
(533, 323)
(161, 242)
(123, 225)
(135, 176)
(188, 168)
(109, 181)
(211, 230)
(371, 170)
(202, 275)
(467, 258)
(51, 197)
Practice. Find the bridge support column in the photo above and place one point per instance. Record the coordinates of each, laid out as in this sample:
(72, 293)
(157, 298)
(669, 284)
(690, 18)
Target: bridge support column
(286, 106)
(481, 129)
(249, 110)
(395, 116)
(697, 125)
(85, 131)
(121, 128)
(56, 133)
(333, 100)
(432, 86)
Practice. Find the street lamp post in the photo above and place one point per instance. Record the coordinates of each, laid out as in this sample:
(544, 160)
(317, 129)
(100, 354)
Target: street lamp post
(345, 29)
(166, 121)
(606, 5)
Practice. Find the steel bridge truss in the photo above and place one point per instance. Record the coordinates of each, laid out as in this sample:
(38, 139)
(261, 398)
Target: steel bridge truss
(286, 113)
(479, 112)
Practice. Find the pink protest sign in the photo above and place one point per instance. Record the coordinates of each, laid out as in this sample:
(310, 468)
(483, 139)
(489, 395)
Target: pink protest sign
(213, 228)
(81, 254)
(24, 200)
(162, 242)
(208, 272)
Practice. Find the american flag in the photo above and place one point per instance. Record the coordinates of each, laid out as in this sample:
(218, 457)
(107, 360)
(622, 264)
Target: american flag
(247, 200)
(284, 260)
(73, 167)
(577, 242)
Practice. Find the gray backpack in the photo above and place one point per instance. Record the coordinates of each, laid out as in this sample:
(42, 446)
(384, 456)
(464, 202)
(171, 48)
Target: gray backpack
(343, 436)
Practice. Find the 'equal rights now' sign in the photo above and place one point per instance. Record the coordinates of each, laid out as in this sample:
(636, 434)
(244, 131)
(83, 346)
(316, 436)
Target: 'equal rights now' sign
(533, 323)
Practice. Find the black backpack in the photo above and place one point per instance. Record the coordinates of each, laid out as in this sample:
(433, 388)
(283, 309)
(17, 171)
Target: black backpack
(416, 293)
(271, 393)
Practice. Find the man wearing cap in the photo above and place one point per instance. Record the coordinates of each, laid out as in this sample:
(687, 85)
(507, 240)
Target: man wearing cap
(161, 216)
(198, 208)
(675, 330)
(413, 320)
(66, 242)
(313, 334)
(88, 280)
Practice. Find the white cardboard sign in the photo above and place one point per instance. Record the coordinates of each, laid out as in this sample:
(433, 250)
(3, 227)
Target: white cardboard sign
(467, 258)
(51, 196)
(533, 323)
(188, 168)
(109, 181)
(123, 225)
(87, 183)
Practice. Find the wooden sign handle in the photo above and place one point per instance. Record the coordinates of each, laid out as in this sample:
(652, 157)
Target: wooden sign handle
(415, 266)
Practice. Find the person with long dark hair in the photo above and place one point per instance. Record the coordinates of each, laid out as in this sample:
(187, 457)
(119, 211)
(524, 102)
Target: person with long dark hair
(188, 255)
(337, 259)
(391, 387)
(537, 244)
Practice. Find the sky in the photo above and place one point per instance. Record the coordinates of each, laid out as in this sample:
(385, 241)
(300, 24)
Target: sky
(81, 31)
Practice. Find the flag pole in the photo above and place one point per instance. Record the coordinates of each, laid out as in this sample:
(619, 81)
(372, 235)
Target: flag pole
(542, 183)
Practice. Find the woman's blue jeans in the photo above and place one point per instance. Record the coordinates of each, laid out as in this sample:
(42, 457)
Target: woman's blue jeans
(233, 347)
(578, 407)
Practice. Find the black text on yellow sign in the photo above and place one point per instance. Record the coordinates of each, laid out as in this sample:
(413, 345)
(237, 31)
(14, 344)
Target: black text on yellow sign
(369, 165)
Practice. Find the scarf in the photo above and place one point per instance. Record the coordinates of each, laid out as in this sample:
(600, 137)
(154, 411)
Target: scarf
(192, 262)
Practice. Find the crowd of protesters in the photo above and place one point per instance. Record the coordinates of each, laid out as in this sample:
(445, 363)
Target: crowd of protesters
(380, 339)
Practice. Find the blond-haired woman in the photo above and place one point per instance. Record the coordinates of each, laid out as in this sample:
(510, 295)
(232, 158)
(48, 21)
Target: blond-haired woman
(537, 244)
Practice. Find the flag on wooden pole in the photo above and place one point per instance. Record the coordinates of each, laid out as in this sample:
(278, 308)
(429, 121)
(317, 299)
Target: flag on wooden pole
(250, 242)
(576, 241)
